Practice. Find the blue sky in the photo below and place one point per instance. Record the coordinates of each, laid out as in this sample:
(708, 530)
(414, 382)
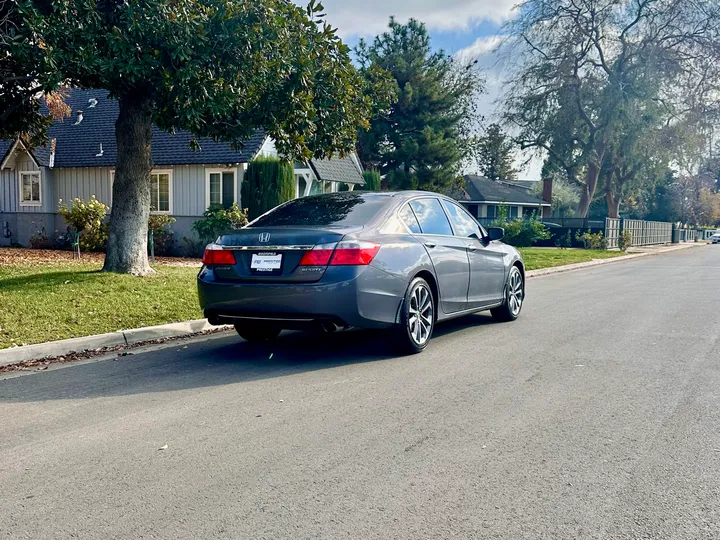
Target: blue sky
(464, 27)
(454, 25)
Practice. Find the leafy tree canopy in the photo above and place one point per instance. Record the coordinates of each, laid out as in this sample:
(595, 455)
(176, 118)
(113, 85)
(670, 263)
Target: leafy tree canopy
(593, 80)
(217, 68)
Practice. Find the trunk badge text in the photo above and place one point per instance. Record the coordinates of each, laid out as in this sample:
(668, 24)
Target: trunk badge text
(264, 237)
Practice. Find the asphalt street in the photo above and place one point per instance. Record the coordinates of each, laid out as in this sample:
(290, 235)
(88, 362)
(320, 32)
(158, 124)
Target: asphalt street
(595, 415)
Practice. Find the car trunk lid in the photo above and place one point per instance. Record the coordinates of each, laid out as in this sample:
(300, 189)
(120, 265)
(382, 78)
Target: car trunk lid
(274, 254)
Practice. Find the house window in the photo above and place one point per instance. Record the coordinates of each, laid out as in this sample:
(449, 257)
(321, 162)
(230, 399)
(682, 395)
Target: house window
(513, 213)
(160, 187)
(30, 193)
(221, 187)
(301, 186)
(492, 211)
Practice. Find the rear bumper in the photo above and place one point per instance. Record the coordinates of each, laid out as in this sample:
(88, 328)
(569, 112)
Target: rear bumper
(363, 297)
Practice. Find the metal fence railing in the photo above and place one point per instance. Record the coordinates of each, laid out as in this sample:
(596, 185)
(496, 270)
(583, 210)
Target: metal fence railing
(642, 233)
(612, 232)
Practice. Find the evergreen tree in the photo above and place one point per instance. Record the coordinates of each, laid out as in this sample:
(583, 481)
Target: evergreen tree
(495, 154)
(372, 180)
(421, 140)
(268, 182)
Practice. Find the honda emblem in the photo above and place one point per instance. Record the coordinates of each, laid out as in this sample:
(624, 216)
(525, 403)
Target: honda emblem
(264, 237)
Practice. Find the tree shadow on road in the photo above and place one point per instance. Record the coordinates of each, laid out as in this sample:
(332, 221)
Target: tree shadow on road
(217, 362)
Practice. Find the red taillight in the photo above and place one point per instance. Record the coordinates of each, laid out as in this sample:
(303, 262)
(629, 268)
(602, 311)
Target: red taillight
(318, 256)
(218, 256)
(354, 253)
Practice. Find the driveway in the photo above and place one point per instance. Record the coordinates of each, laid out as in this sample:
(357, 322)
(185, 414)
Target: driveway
(596, 415)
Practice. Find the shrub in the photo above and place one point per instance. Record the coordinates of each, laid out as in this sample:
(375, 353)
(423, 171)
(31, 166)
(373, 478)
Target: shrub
(564, 241)
(520, 232)
(190, 247)
(268, 182)
(83, 216)
(625, 240)
(87, 220)
(158, 225)
(372, 180)
(95, 239)
(217, 220)
(592, 240)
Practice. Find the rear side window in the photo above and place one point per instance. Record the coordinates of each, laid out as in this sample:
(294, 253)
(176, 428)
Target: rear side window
(431, 217)
(408, 217)
(463, 224)
(330, 210)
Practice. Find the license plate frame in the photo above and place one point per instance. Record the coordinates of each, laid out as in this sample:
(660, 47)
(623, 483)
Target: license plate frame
(266, 263)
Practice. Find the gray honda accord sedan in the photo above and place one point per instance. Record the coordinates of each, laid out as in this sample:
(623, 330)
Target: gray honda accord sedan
(402, 261)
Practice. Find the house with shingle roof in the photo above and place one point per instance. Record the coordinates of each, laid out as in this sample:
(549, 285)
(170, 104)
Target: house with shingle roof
(483, 197)
(79, 162)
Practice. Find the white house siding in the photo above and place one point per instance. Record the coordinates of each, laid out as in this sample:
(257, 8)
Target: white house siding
(22, 222)
(8, 190)
(188, 196)
(9, 198)
(82, 183)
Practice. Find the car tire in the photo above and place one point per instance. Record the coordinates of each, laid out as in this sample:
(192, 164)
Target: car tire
(257, 333)
(514, 297)
(417, 318)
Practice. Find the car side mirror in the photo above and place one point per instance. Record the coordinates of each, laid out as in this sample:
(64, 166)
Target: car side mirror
(495, 233)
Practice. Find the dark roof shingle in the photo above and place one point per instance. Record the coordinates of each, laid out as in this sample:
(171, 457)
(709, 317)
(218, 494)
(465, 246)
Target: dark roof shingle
(5, 146)
(481, 189)
(80, 145)
(338, 170)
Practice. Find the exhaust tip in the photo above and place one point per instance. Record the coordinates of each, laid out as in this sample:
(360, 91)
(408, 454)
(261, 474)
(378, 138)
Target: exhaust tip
(330, 327)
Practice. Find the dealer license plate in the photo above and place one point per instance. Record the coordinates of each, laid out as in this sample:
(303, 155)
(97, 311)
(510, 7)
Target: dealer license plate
(266, 262)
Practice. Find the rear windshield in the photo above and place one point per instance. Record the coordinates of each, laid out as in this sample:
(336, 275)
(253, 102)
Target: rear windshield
(330, 210)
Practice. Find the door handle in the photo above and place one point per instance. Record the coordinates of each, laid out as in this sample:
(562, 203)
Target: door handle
(472, 248)
(430, 244)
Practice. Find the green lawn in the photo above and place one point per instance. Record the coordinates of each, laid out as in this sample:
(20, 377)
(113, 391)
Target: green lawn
(536, 258)
(62, 300)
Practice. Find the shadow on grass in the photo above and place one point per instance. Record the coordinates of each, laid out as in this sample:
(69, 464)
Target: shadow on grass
(218, 362)
(48, 279)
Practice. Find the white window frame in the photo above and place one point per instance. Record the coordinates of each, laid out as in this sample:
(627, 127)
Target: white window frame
(306, 175)
(21, 177)
(169, 172)
(220, 170)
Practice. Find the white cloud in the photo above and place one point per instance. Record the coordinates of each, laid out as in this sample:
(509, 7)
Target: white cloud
(481, 46)
(369, 17)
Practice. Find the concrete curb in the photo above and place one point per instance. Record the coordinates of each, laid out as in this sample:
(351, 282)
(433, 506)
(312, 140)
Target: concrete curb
(598, 262)
(112, 339)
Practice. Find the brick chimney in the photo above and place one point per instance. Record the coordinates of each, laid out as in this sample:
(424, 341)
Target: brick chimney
(547, 196)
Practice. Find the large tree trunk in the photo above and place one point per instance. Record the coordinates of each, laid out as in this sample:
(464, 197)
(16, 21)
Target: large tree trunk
(588, 190)
(613, 203)
(127, 241)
